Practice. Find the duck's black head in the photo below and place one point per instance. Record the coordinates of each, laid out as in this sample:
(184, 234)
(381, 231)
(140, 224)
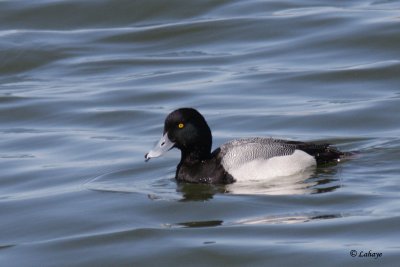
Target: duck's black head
(187, 130)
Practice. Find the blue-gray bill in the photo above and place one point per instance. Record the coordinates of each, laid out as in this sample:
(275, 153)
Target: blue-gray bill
(163, 146)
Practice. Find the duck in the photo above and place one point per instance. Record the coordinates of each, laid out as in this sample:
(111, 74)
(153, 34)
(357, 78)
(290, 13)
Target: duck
(249, 158)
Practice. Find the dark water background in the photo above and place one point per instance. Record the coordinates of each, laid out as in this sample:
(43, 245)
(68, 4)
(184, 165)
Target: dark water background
(85, 87)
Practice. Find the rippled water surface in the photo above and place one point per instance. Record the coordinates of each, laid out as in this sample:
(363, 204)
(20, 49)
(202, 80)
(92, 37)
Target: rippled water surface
(84, 90)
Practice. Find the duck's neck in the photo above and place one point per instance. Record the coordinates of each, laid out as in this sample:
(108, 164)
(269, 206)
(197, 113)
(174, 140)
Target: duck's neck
(197, 153)
(199, 148)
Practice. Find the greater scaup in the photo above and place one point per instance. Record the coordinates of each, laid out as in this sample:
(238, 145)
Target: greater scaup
(187, 130)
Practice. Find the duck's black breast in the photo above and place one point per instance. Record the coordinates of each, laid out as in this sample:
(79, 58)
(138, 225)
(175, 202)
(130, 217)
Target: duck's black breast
(209, 171)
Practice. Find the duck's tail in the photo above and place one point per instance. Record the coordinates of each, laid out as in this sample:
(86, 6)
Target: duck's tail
(325, 153)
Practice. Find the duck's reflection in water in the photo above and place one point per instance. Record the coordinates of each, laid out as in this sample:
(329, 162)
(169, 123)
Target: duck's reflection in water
(312, 181)
(269, 219)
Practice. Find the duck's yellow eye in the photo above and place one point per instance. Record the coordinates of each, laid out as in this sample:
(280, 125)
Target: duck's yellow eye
(181, 125)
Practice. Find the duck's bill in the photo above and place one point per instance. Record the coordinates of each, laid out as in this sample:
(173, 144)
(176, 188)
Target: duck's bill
(161, 148)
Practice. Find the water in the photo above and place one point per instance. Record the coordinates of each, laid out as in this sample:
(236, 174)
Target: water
(85, 87)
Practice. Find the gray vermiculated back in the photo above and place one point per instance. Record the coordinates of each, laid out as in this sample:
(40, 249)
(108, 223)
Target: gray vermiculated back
(239, 151)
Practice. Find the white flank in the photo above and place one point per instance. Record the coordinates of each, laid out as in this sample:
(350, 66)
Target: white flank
(264, 169)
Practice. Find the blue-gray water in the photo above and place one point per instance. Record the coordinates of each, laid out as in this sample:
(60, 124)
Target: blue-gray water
(85, 87)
